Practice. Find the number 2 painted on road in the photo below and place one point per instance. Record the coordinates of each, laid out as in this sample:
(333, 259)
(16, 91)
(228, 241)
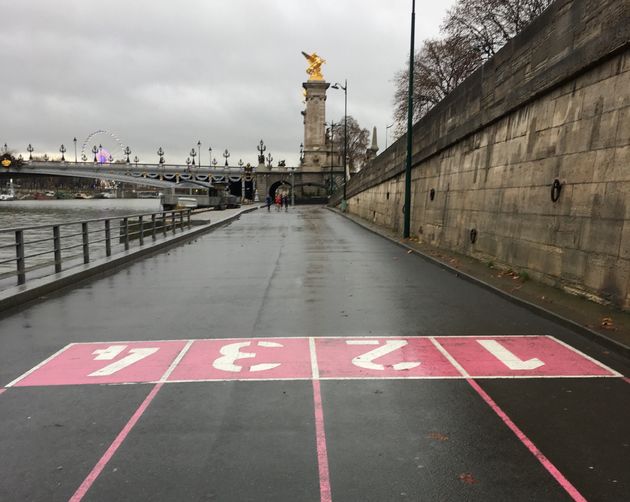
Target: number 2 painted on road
(112, 351)
(366, 360)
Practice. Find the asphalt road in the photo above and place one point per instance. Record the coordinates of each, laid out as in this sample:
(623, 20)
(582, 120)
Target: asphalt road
(298, 278)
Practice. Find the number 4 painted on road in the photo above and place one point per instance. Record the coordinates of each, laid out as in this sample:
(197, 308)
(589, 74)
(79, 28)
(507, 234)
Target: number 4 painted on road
(112, 352)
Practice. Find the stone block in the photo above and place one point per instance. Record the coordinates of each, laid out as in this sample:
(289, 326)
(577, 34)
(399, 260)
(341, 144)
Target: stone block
(623, 128)
(573, 264)
(604, 130)
(578, 167)
(581, 197)
(624, 247)
(567, 108)
(601, 236)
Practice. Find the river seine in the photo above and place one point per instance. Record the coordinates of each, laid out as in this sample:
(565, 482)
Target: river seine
(23, 213)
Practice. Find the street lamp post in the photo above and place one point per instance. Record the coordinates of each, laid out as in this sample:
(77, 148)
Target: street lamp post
(127, 153)
(291, 169)
(226, 154)
(193, 154)
(30, 149)
(95, 151)
(407, 214)
(199, 151)
(75, 150)
(332, 154)
(269, 160)
(160, 153)
(210, 157)
(344, 88)
(62, 149)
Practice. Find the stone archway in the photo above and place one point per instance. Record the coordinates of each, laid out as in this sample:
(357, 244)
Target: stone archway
(282, 183)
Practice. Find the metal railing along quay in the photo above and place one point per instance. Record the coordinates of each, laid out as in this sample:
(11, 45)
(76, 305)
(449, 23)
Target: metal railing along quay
(39, 250)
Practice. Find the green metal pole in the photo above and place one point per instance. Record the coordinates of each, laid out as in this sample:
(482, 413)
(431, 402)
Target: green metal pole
(407, 208)
(345, 139)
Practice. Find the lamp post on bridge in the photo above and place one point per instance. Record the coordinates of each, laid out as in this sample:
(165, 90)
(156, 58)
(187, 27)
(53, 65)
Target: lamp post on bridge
(62, 149)
(160, 153)
(127, 153)
(136, 160)
(193, 154)
(210, 156)
(226, 154)
(30, 149)
(269, 160)
(75, 150)
(199, 150)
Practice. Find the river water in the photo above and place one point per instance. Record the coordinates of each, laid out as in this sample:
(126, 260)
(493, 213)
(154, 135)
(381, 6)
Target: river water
(15, 214)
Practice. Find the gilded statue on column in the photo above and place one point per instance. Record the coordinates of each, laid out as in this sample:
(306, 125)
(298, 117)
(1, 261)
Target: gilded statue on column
(315, 63)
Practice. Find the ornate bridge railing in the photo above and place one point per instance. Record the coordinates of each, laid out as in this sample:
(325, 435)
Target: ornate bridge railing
(40, 250)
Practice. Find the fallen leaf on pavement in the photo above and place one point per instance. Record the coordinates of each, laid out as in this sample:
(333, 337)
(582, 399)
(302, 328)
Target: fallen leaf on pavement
(438, 436)
(467, 478)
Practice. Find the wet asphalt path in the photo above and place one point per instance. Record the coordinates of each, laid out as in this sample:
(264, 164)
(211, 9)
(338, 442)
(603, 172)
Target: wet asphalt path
(308, 273)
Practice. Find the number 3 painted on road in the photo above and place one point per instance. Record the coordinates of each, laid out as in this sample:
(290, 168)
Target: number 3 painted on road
(232, 352)
(366, 360)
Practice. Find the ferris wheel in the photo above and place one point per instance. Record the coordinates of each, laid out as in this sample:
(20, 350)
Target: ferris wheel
(103, 147)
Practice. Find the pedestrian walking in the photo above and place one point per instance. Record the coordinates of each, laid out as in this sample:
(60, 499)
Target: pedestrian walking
(285, 202)
(278, 201)
(268, 201)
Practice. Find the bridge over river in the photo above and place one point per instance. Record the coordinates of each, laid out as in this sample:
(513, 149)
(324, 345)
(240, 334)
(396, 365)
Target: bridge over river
(243, 181)
(297, 356)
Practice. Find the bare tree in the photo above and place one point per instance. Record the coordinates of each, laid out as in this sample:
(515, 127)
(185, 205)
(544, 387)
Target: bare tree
(439, 67)
(488, 24)
(358, 138)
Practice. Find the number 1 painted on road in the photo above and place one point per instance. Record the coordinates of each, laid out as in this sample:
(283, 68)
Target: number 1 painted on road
(508, 358)
(111, 352)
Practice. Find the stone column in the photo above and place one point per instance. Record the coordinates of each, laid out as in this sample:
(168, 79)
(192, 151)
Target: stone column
(315, 154)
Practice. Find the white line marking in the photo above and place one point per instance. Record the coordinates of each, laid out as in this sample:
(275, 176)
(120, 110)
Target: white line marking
(313, 351)
(580, 353)
(60, 351)
(450, 358)
(328, 337)
(176, 361)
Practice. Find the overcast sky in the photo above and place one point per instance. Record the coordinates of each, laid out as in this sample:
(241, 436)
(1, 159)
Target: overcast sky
(170, 73)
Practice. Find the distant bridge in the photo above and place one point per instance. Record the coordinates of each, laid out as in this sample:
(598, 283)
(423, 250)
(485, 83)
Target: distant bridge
(243, 181)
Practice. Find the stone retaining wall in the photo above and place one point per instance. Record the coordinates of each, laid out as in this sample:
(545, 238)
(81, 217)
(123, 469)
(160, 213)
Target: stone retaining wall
(553, 104)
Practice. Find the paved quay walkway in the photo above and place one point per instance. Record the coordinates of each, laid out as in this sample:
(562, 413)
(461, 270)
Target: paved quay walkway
(297, 356)
(604, 321)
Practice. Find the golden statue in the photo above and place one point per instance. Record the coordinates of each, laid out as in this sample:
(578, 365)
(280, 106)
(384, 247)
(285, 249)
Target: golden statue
(314, 66)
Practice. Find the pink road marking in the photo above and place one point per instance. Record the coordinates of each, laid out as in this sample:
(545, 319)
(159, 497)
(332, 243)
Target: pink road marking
(245, 359)
(80, 364)
(552, 469)
(546, 356)
(386, 357)
(322, 451)
(546, 463)
(2, 391)
(122, 435)
(626, 379)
